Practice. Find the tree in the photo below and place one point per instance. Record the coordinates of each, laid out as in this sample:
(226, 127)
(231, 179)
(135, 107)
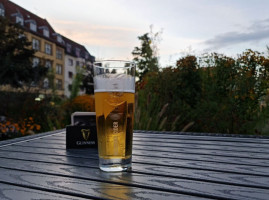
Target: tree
(146, 55)
(76, 83)
(188, 80)
(226, 95)
(87, 80)
(87, 83)
(232, 92)
(16, 66)
(52, 86)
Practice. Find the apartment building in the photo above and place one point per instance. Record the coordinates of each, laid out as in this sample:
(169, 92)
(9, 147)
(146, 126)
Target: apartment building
(77, 59)
(53, 50)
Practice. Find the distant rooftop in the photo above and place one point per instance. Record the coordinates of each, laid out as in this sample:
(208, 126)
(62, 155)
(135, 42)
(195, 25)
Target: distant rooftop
(42, 28)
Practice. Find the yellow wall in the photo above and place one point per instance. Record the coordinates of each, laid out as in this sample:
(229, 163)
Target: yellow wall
(43, 56)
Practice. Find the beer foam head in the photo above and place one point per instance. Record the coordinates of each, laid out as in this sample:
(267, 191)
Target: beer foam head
(114, 83)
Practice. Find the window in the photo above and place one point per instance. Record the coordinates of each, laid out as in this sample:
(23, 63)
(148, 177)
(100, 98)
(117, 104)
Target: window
(35, 62)
(70, 62)
(48, 49)
(46, 83)
(46, 31)
(59, 69)
(77, 63)
(59, 39)
(19, 19)
(70, 75)
(59, 84)
(35, 44)
(33, 25)
(86, 56)
(68, 48)
(77, 52)
(2, 10)
(21, 35)
(59, 54)
(48, 64)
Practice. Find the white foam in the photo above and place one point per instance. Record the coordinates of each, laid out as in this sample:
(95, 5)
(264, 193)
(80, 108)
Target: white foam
(114, 83)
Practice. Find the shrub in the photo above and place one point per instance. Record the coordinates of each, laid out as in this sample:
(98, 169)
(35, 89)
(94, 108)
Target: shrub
(83, 103)
(11, 129)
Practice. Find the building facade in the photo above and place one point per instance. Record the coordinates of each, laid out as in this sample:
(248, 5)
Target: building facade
(53, 50)
(77, 60)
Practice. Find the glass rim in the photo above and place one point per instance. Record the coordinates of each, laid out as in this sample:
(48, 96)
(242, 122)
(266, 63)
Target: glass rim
(123, 61)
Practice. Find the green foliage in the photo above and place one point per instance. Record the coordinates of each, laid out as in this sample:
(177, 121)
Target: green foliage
(224, 95)
(87, 83)
(49, 113)
(52, 86)
(21, 105)
(169, 94)
(82, 103)
(235, 87)
(76, 83)
(145, 56)
(15, 57)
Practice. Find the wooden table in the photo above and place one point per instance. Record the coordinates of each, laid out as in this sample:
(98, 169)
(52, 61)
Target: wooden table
(165, 166)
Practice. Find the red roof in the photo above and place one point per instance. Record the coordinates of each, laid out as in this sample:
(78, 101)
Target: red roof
(83, 52)
(12, 10)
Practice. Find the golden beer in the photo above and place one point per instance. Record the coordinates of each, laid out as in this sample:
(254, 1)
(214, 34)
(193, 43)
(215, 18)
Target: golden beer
(114, 88)
(114, 115)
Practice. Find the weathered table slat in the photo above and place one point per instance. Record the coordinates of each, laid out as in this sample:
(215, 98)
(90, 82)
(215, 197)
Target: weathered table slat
(178, 144)
(165, 166)
(204, 147)
(181, 144)
(159, 154)
(253, 142)
(8, 191)
(192, 164)
(162, 162)
(137, 178)
(203, 136)
(197, 141)
(156, 148)
(87, 188)
(183, 173)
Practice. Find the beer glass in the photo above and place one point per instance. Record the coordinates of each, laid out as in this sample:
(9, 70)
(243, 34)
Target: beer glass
(114, 88)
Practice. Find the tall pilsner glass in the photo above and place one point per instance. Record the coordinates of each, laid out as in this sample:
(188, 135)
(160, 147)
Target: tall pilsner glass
(114, 88)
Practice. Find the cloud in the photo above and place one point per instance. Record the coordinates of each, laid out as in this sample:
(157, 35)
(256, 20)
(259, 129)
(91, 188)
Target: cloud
(105, 41)
(257, 31)
(98, 35)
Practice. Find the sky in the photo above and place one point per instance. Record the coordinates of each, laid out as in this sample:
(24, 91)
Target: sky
(109, 29)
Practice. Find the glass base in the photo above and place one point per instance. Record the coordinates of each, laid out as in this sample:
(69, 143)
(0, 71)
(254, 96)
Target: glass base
(115, 165)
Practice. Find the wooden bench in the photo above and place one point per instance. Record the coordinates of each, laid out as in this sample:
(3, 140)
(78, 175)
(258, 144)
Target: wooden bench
(165, 166)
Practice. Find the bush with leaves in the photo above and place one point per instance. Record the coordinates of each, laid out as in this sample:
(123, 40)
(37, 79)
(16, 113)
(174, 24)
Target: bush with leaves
(10, 129)
(169, 97)
(82, 103)
(221, 94)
